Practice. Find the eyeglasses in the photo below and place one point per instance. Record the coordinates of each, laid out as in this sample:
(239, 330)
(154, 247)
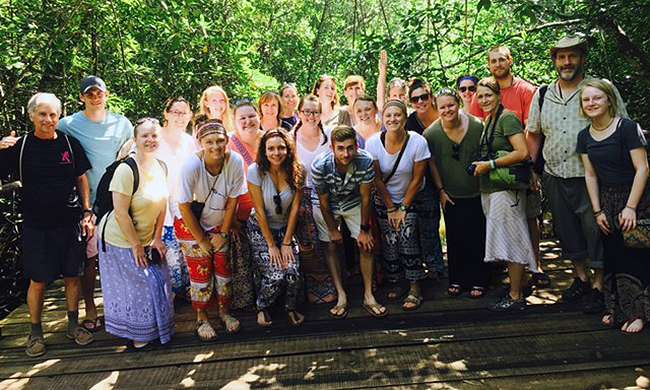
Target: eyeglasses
(471, 88)
(147, 119)
(178, 113)
(310, 113)
(417, 99)
(278, 203)
(455, 148)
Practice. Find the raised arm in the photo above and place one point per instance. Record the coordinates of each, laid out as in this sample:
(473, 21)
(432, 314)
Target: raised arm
(381, 81)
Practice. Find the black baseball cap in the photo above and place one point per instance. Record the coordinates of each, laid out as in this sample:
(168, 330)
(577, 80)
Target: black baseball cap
(92, 82)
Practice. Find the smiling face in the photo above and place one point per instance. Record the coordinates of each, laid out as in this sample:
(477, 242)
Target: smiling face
(45, 118)
(447, 108)
(270, 108)
(248, 122)
(420, 100)
(488, 100)
(327, 91)
(94, 99)
(353, 92)
(214, 145)
(394, 118)
(147, 137)
(568, 63)
(290, 99)
(499, 63)
(465, 93)
(344, 151)
(179, 115)
(309, 113)
(595, 102)
(365, 111)
(276, 150)
(216, 104)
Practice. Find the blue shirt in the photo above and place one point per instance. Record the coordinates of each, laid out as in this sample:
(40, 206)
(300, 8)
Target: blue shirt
(345, 192)
(101, 141)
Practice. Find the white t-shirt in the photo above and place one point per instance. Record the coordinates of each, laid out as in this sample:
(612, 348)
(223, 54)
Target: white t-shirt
(175, 162)
(196, 183)
(416, 150)
(276, 221)
(307, 157)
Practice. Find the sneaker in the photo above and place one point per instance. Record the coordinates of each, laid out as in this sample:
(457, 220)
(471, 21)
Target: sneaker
(35, 347)
(577, 290)
(594, 302)
(506, 303)
(80, 336)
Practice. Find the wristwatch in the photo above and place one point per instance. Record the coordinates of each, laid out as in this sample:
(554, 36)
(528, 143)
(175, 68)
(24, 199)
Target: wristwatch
(403, 208)
(223, 235)
(365, 228)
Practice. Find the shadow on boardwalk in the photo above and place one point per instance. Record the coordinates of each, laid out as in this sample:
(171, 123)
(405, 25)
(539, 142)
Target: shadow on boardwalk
(450, 343)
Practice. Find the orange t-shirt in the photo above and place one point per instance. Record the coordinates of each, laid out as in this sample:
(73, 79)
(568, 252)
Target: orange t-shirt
(516, 99)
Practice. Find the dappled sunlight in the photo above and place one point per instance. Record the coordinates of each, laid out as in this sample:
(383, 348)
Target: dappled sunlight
(18, 380)
(203, 356)
(107, 383)
(244, 381)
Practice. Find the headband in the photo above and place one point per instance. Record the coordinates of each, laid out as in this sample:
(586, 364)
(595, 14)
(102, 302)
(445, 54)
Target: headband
(209, 127)
(470, 78)
(397, 103)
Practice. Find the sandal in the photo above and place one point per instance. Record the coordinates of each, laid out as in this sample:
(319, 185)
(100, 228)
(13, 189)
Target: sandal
(337, 309)
(540, 280)
(630, 322)
(231, 323)
(477, 292)
(268, 322)
(93, 325)
(295, 318)
(396, 291)
(204, 327)
(414, 298)
(454, 290)
(376, 310)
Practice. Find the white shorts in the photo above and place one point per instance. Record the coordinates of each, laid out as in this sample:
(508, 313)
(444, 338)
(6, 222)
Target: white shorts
(351, 217)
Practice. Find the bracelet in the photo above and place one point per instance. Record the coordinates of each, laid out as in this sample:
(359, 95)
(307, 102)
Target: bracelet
(631, 208)
(441, 189)
(493, 165)
(597, 213)
(283, 244)
(395, 208)
(88, 211)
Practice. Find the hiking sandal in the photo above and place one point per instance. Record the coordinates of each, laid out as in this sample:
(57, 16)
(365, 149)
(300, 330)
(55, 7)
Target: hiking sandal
(414, 298)
(231, 323)
(204, 327)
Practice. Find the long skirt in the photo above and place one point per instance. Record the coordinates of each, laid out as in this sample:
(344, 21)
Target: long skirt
(627, 280)
(274, 281)
(402, 258)
(138, 303)
(465, 228)
(427, 204)
(180, 277)
(507, 237)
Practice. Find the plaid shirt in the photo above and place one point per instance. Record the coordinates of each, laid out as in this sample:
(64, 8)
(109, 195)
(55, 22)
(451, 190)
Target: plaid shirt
(344, 192)
(560, 123)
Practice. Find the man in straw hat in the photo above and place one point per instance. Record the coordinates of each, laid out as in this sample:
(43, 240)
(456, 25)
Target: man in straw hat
(563, 178)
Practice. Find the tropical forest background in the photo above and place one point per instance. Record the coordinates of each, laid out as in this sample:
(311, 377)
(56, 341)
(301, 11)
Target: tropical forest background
(150, 50)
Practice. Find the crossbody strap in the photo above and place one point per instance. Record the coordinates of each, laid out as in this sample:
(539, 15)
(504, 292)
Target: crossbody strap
(20, 159)
(399, 157)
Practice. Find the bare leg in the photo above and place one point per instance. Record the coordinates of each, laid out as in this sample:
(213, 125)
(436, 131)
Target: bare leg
(580, 268)
(516, 273)
(334, 266)
(599, 278)
(72, 292)
(88, 288)
(533, 230)
(35, 296)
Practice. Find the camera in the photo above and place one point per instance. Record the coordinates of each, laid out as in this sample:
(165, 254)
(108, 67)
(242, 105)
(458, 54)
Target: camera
(471, 168)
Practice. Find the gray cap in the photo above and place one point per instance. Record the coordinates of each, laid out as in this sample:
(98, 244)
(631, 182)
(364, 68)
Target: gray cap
(92, 82)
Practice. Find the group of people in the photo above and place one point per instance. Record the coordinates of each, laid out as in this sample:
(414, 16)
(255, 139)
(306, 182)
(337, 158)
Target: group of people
(234, 215)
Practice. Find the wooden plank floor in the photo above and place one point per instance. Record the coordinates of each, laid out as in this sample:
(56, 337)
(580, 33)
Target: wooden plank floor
(450, 343)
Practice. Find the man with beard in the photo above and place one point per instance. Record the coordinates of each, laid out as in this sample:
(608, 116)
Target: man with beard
(563, 176)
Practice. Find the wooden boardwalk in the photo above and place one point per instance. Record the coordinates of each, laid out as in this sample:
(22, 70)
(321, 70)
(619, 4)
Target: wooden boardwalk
(450, 343)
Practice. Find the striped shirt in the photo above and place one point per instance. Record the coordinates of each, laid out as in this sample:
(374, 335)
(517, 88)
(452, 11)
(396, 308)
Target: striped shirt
(345, 192)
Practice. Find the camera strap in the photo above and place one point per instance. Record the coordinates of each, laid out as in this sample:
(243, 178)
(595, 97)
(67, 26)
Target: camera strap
(489, 139)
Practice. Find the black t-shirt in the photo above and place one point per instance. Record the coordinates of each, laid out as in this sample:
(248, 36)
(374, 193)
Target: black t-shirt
(414, 124)
(49, 177)
(611, 157)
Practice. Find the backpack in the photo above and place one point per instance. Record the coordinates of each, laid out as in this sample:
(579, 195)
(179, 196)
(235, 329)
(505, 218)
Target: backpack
(104, 197)
(538, 165)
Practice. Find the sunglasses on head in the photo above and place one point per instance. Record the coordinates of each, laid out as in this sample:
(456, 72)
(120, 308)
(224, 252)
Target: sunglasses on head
(241, 102)
(278, 203)
(471, 88)
(417, 99)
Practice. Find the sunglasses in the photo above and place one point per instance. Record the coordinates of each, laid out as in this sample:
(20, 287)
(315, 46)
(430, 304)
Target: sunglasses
(417, 99)
(147, 119)
(278, 204)
(455, 148)
(242, 102)
(471, 88)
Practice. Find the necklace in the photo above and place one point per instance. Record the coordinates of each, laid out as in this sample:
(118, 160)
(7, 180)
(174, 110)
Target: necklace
(602, 128)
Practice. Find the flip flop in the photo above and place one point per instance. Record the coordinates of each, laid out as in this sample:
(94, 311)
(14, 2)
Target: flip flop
(454, 290)
(93, 325)
(370, 308)
(481, 292)
(630, 322)
(413, 298)
(337, 309)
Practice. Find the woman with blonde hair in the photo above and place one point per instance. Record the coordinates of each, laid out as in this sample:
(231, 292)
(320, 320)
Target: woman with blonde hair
(215, 104)
(325, 89)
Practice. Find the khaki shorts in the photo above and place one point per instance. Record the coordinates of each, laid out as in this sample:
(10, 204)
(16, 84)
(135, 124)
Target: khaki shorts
(351, 217)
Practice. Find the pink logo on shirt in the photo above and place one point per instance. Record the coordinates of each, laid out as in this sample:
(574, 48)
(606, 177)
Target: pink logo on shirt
(65, 158)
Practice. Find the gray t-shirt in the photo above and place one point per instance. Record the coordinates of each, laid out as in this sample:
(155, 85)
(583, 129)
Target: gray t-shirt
(264, 181)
